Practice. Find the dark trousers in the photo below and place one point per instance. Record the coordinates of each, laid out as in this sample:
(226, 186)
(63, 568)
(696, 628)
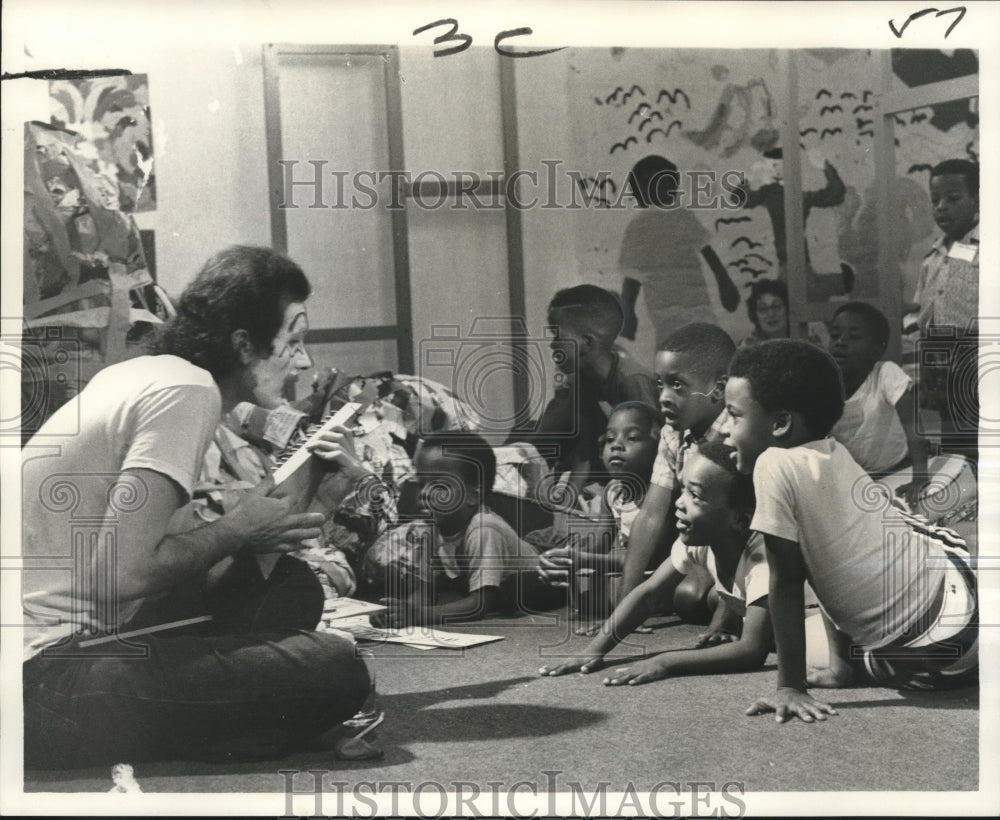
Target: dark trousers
(252, 683)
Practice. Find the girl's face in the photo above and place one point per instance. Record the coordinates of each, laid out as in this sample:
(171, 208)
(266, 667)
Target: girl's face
(772, 316)
(630, 445)
(853, 347)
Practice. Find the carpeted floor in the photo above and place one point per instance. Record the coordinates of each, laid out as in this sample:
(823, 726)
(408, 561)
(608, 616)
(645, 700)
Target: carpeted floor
(485, 715)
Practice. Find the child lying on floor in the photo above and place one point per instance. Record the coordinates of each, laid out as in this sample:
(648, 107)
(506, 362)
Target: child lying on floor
(896, 593)
(476, 563)
(713, 516)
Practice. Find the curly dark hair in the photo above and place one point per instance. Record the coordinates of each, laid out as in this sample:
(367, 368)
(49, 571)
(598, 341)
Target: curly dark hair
(765, 287)
(787, 374)
(875, 319)
(589, 309)
(240, 288)
(965, 168)
(709, 345)
(471, 452)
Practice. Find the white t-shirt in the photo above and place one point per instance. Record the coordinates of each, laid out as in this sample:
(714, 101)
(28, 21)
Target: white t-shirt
(873, 573)
(152, 412)
(750, 581)
(488, 551)
(870, 428)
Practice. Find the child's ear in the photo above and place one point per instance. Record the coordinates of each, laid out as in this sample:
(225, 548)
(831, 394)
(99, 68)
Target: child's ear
(718, 392)
(243, 346)
(781, 424)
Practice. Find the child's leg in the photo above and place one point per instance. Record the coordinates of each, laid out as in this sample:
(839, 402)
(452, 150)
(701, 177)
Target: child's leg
(947, 655)
(839, 670)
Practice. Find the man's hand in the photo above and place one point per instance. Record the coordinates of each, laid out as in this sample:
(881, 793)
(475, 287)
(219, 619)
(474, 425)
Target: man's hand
(555, 565)
(336, 447)
(581, 663)
(642, 672)
(267, 524)
(788, 702)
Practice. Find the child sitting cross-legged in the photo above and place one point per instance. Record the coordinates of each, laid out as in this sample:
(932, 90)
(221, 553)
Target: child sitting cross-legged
(713, 516)
(476, 563)
(878, 425)
(895, 592)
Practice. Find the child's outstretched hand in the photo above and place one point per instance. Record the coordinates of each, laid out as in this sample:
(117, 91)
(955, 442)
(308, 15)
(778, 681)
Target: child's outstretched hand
(642, 672)
(581, 663)
(788, 702)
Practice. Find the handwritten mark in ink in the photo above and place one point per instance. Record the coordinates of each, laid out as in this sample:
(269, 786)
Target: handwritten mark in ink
(959, 10)
(465, 40)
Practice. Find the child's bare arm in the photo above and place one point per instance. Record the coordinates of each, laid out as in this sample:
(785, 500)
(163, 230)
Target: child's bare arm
(788, 574)
(916, 446)
(723, 628)
(744, 655)
(636, 607)
(650, 528)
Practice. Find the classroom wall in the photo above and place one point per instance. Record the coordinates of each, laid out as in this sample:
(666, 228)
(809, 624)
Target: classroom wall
(207, 110)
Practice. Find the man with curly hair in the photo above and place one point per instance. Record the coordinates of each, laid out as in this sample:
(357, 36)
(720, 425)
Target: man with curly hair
(111, 548)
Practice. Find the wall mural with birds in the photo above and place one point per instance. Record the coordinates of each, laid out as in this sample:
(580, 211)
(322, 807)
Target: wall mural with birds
(649, 127)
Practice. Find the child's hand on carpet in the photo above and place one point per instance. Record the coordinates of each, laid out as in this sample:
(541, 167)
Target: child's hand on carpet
(788, 702)
(581, 663)
(642, 672)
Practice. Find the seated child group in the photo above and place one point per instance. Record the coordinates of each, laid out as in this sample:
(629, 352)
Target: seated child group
(770, 491)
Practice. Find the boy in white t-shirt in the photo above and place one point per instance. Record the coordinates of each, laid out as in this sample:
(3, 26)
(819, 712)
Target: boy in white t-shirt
(897, 594)
(713, 514)
(878, 423)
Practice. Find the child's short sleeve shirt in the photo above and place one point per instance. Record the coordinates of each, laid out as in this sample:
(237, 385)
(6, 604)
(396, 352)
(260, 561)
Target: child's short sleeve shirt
(750, 581)
(488, 552)
(873, 573)
(869, 427)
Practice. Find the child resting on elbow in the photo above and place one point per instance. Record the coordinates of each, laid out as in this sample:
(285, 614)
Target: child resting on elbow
(713, 516)
(477, 563)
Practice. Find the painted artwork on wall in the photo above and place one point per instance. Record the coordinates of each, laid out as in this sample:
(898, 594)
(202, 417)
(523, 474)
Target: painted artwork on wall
(112, 115)
(662, 124)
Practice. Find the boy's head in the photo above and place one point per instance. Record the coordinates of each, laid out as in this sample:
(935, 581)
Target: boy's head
(780, 393)
(243, 318)
(716, 502)
(859, 334)
(631, 440)
(455, 472)
(691, 375)
(586, 318)
(955, 196)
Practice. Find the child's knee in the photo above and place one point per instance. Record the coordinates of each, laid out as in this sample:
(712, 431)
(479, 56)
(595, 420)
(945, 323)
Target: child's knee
(691, 600)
